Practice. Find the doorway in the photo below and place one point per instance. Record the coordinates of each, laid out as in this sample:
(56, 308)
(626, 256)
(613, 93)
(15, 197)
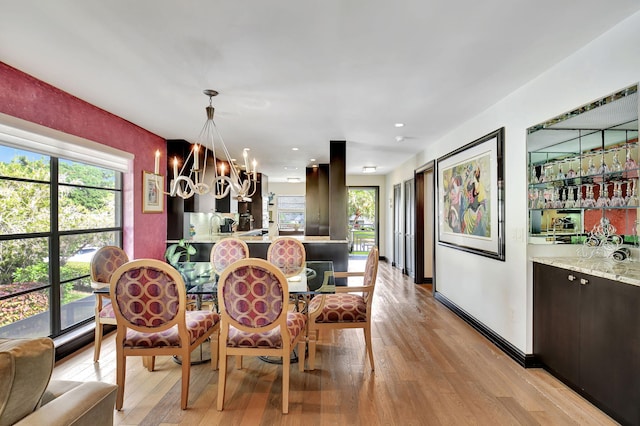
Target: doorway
(362, 212)
(425, 223)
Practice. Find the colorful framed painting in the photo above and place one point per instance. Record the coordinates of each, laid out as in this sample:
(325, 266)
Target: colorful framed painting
(470, 185)
(152, 196)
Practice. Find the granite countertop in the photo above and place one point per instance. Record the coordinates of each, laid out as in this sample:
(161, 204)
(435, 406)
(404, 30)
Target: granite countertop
(627, 272)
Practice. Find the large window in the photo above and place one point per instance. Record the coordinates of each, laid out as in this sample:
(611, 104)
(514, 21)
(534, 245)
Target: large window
(291, 212)
(54, 215)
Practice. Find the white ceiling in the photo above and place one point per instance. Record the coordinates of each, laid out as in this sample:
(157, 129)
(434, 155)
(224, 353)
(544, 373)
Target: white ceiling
(299, 73)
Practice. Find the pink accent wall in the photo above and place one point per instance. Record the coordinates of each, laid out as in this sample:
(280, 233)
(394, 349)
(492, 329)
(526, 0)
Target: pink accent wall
(25, 97)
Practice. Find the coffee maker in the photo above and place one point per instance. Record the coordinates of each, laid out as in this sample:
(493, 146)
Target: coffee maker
(244, 220)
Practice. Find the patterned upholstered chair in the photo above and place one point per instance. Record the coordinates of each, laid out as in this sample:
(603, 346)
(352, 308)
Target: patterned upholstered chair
(288, 254)
(103, 264)
(345, 309)
(149, 300)
(253, 297)
(224, 253)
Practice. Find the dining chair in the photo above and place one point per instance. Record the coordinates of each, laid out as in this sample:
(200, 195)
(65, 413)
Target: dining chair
(254, 321)
(224, 253)
(103, 264)
(345, 309)
(149, 299)
(288, 254)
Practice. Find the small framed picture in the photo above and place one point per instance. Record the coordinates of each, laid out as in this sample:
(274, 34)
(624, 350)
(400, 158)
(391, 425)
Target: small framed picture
(152, 195)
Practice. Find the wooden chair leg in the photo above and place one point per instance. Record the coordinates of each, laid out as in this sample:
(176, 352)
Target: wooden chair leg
(97, 340)
(214, 350)
(312, 349)
(186, 371)
(302, 347)
(238, 362)
(222, 377)
(286, 360)
(367, 340)
(121, 368)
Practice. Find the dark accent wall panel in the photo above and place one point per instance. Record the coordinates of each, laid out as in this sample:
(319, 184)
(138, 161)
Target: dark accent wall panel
(312, 202)
(338, 191)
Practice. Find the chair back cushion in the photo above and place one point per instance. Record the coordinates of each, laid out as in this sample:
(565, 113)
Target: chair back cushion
(371, 270)
(288, 254)
(105, 261)
(147, 296)
(226, 251)
(25, 369)
(252, 294)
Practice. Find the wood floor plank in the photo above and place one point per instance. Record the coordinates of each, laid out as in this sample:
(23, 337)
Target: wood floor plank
(432, 368)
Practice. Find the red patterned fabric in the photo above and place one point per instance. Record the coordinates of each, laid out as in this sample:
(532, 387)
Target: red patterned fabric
(198, 322)
(147, 297)
(288, 255)
(253, 296)
(105, 261)
(272, 339)
(227, 251)
(107, 311)
(342, 307)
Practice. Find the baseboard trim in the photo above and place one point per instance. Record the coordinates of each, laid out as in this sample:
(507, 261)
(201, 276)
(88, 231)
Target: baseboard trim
(526, 361)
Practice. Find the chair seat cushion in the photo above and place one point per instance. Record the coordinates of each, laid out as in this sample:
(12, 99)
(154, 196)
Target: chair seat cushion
(341, 307)
(296, 323)
(107, 311)
(198, 322)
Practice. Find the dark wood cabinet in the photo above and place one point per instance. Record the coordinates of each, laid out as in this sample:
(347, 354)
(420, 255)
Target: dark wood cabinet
(586, 331)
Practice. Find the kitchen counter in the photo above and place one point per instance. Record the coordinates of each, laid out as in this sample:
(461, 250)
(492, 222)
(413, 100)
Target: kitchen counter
(627, 272)
(250, 237)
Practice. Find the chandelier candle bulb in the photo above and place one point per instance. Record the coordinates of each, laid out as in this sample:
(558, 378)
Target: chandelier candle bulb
(156, 169)
(196, 160)
(246, 161)
(175, 167)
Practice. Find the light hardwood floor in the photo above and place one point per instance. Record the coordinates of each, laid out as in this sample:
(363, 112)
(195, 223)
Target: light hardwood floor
(431, 368)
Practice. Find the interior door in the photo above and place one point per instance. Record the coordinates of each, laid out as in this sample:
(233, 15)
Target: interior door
(397, 227)
(409, 228)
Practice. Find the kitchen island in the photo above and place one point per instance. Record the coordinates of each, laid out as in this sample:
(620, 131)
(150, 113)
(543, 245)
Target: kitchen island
(317, 247)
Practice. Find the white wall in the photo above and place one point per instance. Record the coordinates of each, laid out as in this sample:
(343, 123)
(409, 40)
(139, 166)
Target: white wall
(499, 294)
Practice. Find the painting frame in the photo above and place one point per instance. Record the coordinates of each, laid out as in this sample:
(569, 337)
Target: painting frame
(152, 196)
(470, 197)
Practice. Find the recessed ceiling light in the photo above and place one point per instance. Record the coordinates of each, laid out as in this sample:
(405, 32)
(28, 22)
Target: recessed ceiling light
(399, 138)
(369, 169)
(399, 124)
(246, 149)
(294, 149)
(312, 159)
(290, 168)
(293, 179)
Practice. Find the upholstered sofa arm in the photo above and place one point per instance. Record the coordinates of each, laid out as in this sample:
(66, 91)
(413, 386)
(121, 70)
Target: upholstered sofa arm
(82, 404)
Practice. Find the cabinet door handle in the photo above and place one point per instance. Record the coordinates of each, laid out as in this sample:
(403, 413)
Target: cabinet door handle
(571, 277)
(584, 281)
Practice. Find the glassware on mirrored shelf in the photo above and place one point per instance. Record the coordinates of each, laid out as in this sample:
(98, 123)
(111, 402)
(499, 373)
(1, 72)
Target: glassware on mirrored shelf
(560, 175)
(591, 168)
(558, 202)
(588, 201)
(603, 197)
(570, 199)
(616, 165)
(571, 172)
(632, 192)
(533, 198)
(617, 200)
(603, 167)
(630, 165)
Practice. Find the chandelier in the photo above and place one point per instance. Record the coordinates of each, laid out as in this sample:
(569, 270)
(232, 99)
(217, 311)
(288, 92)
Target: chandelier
(242, 184)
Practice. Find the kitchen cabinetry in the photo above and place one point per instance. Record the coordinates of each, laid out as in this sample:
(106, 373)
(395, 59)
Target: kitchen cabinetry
(583, 167)
(586, 331)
